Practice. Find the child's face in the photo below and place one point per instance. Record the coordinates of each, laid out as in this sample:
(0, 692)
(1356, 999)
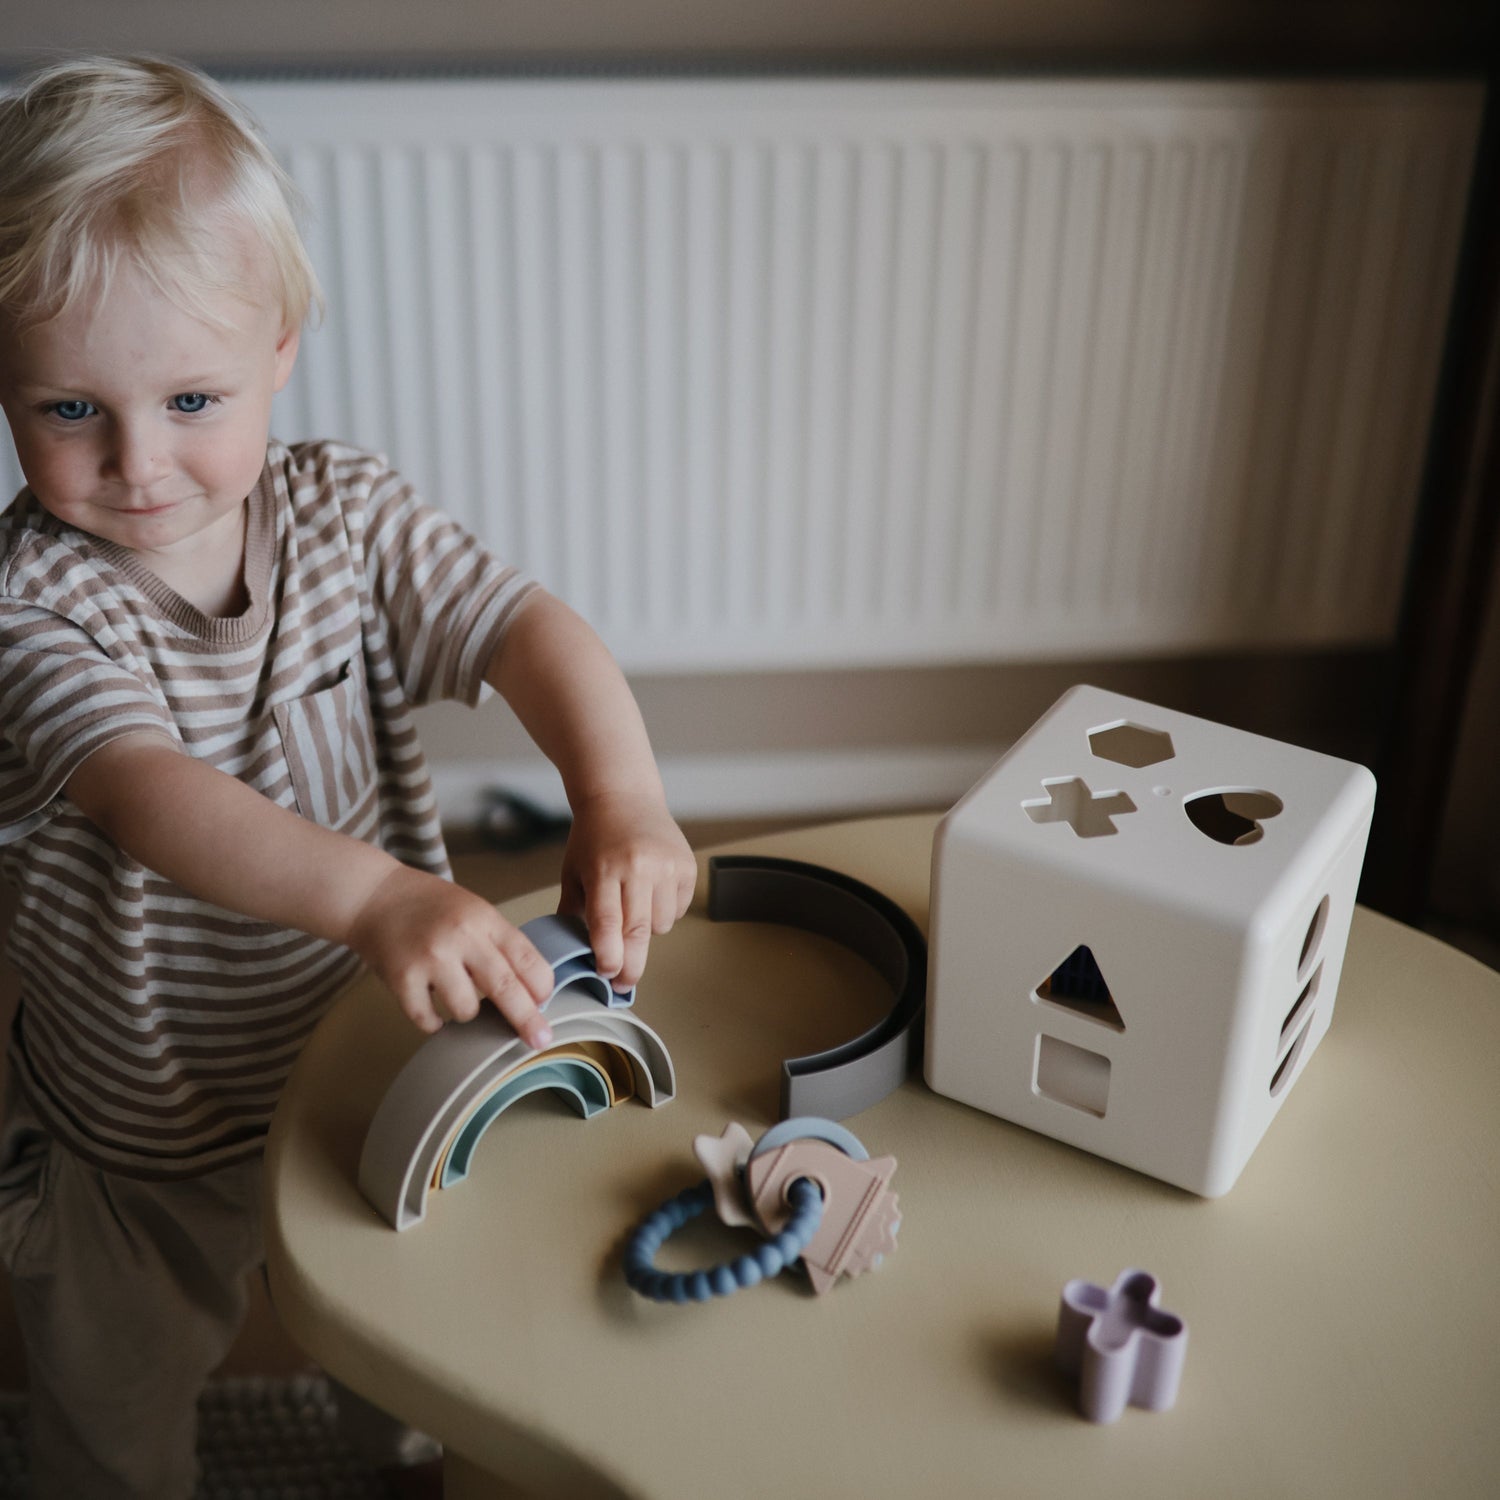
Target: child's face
(138, 422)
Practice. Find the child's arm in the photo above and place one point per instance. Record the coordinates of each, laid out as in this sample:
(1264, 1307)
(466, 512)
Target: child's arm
(627, 868)
(439, 948)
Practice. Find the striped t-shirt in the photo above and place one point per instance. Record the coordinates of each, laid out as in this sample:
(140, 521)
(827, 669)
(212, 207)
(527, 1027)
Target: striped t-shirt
(155, 1030)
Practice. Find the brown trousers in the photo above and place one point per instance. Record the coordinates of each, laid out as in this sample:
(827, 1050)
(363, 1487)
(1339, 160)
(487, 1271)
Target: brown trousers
(128, 1293)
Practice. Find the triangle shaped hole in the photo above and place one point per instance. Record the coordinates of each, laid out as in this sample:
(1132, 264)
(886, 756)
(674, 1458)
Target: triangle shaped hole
(1078, 984)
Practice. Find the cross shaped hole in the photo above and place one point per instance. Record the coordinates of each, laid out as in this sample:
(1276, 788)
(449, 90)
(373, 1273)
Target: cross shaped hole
(1072, 802)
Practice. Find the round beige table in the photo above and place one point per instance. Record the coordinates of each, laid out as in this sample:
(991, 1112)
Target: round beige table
(1342, 1300)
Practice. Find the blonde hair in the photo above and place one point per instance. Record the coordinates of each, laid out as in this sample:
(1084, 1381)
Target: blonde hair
(135, 162)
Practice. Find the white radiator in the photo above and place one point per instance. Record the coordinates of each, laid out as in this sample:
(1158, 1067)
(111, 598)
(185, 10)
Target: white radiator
(810, 372)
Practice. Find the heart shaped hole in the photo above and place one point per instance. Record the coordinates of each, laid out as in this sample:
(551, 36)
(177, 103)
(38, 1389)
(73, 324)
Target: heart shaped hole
(1232, 817)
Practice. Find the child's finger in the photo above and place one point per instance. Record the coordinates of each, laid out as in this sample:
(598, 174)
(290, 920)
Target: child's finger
(605, 922)
(515, 979)
(687, 883)
(571, 901)
(664, 910)
(415, 1000)
(504, 990)
(453, 993)
(673, 896)
(529, 967)
(637, 903)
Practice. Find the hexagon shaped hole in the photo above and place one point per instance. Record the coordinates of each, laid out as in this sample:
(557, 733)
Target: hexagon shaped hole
(1130, 744)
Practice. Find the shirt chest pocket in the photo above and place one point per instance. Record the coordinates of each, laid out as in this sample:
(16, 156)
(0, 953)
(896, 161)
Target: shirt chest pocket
(329, 744)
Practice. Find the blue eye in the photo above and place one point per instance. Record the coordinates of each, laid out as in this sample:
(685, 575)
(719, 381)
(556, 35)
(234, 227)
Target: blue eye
(191, 403)
(73, 411)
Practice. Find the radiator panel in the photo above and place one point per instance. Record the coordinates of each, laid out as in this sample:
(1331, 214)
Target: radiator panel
(813, 372)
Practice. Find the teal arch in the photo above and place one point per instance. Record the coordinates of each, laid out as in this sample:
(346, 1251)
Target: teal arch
(581, 1082)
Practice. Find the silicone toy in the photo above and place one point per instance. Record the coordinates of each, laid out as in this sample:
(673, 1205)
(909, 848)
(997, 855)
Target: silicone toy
(564, 943)
(425, 1129)
(809, 1187)
(1120, 1346)
(725, 1158)
(769, 1261)
(860, 1220)
(856, 1074)
(1138, 927)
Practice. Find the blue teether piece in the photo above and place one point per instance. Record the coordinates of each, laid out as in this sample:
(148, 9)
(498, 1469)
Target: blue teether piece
(760, 1264)
(811, 1128)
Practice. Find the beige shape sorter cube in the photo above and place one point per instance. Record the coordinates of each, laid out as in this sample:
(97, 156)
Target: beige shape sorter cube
(1138, 925)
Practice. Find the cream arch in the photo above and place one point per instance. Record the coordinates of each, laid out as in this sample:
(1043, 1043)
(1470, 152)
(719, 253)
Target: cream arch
(425, 1128)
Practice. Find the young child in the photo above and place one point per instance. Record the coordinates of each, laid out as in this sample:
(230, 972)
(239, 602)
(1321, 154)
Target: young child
(212, 801)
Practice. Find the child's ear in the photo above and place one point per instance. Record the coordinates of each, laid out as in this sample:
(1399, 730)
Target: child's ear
(286, 355)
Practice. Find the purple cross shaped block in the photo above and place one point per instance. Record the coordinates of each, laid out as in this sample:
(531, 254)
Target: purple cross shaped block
(1120, 1345)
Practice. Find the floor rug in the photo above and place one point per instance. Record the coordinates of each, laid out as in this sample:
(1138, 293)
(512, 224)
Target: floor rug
(258, 1439)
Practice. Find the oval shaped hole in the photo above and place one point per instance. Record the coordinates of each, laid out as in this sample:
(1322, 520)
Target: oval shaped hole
(1232, 817)
(1283, 1074)
(1314, 937)
(1300, 1006)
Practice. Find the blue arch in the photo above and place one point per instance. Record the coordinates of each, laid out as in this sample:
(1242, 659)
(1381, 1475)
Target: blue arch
(582, 1083)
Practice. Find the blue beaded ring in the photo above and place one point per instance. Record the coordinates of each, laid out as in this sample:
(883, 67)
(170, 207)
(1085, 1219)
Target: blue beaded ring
(769, 1260)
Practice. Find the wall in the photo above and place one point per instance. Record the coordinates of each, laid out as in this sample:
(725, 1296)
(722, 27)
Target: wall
(1114, 34)
(852, 741)
(1466, 880)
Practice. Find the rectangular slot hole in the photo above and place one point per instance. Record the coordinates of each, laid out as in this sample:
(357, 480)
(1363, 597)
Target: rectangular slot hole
(1072, 1075)
(1301, 1007)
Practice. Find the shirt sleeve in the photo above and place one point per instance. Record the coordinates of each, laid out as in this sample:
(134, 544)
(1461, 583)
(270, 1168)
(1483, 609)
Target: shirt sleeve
(61, 698)
(447, 600)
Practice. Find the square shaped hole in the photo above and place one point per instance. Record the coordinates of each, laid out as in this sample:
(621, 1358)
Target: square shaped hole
(1071, 1075)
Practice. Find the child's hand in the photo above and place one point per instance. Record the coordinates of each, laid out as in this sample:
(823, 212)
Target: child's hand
(628, 872)
(442, 950)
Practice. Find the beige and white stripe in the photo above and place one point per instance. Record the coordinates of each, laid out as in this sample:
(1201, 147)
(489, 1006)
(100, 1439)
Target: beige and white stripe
(155, 1030)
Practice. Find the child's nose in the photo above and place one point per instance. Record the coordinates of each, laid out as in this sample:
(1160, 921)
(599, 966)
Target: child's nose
(138, 455)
